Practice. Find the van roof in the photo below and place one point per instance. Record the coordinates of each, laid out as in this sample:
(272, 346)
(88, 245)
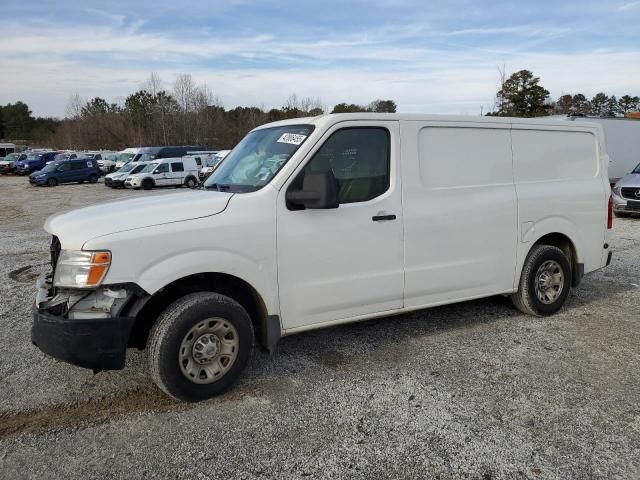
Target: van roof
(331, 118)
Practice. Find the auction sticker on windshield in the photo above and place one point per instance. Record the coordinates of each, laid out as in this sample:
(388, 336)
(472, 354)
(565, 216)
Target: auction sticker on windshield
(292, 138)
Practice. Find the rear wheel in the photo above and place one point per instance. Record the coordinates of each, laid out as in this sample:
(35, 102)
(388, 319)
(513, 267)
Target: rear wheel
(52, 182)
(199, 346)
(93, 178)
(147, 184)
(544, 283)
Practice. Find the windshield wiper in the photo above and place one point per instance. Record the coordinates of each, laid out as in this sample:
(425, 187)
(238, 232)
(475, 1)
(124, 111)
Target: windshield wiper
(221, 187)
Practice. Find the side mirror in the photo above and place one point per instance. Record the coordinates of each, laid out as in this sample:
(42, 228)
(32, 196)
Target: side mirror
(319, 191)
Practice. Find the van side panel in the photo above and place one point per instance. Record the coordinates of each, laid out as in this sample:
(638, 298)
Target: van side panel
(460, 211)
(558, 181)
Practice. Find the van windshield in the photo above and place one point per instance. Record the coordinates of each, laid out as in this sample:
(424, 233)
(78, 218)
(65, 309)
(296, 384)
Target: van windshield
(127, 167)
(257, 158)
(144, 157)
(637, 169)
(50, 167)
(149, 168)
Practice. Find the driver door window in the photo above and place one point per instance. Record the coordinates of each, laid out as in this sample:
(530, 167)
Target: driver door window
(359, 159)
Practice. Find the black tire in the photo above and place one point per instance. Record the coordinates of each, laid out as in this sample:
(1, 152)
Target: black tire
(526, 298)
(52, 182)
(93, 178)
(190, 182)
(171, 329)
(147, 184)
(622, 214)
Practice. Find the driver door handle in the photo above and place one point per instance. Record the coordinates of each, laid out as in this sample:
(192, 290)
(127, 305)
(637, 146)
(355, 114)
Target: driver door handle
(379, 218)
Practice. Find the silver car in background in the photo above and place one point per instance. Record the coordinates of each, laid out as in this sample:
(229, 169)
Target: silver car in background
(626, 194)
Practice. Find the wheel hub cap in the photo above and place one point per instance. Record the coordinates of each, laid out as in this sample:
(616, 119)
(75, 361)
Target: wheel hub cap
(549, 282)
(205, 348)
(208, 350)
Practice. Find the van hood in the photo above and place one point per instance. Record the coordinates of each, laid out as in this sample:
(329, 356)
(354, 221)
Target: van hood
(74, 228)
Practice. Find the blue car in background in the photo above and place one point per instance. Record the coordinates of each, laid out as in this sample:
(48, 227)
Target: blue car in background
(66, 171)
(35, 161)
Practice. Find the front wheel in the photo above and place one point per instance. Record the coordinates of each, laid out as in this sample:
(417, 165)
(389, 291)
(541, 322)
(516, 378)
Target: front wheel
(93, 178)
(190, 182)
(147, 184)
(199, 346)
(544, 283)
(52, 182)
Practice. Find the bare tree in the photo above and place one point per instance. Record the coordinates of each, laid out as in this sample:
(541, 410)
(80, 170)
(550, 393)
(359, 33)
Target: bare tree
(74, 106)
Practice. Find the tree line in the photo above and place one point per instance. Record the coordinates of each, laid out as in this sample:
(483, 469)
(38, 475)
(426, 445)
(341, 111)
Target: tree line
(187, 113)
(521, 95)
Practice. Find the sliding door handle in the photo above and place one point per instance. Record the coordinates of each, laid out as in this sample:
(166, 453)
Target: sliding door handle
(379, 218)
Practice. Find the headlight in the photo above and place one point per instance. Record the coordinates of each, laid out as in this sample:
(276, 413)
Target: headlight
(617, 191)
(77, 269)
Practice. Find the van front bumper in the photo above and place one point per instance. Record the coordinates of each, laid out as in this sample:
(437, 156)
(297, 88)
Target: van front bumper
(97, 343)
(94, 335)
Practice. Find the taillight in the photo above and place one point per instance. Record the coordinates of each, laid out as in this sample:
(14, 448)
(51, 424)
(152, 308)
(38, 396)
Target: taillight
(610, 213)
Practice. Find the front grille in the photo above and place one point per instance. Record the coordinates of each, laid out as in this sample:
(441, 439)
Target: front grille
(55, 252)
(631, 192)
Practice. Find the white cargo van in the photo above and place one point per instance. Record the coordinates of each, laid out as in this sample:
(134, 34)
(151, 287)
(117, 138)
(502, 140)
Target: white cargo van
(319, 221)
(165, 172)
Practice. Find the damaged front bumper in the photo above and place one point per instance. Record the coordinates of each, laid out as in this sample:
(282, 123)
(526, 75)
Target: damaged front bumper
(83, 327)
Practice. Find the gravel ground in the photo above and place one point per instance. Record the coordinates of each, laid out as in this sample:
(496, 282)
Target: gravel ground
(473, 390)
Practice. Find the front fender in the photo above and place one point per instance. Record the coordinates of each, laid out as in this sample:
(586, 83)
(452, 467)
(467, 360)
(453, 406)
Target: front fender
(252, 271)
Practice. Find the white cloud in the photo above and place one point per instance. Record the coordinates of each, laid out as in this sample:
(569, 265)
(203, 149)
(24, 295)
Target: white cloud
(628, 6)
(44, 66)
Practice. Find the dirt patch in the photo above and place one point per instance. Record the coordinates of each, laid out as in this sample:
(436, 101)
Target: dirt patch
(334, 359)
(93, 412)
(29, 273)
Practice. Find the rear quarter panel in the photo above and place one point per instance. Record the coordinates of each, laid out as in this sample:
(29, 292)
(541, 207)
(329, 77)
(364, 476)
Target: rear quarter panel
(560, 183)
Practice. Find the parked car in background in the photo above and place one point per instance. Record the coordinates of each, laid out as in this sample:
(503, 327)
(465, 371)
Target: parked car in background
(212, 163)
(166, 172)
(626, 194)
(35, 161)
(106, 161)
(125, 156)
(147, 154)
(201, 158)
(66, 171)
(117, 178)
(6, 149)
(8, 164)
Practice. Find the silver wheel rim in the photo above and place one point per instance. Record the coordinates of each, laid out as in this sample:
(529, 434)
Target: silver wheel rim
(208, 350)
(549, 282)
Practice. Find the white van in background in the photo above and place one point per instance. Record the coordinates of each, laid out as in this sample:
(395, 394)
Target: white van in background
(6, 149)
(125, 156)
(212, 163)
(165, 172)
(314, 222)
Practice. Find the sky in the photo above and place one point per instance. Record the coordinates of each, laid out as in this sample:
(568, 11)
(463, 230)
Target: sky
(430, 56)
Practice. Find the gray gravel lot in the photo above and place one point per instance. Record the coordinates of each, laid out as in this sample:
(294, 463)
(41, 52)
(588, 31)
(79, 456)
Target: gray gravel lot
(474, 390)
